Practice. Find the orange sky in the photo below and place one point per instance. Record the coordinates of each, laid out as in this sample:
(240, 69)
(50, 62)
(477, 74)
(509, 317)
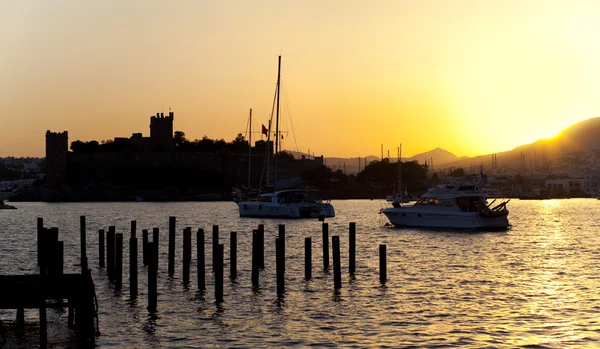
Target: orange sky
(472, 77)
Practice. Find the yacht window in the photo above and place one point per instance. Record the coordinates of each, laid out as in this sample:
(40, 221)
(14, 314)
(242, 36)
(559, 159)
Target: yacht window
(422, 201)
(463, 203)
(474, 203)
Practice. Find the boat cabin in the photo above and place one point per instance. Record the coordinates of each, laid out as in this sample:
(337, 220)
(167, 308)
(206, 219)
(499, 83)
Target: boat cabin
(468, 203)
(289, 196)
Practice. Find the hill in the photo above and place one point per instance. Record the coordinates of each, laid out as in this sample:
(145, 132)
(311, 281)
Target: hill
(580, 137)
(440, 157)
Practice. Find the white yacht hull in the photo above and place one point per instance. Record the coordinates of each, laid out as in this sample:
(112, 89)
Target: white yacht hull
(259, 209)
(408, 217)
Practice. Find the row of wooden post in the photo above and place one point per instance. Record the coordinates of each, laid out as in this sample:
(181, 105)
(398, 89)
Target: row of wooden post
(50, 259)
(150, 253)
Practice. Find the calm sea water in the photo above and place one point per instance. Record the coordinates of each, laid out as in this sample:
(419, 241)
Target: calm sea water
(535, 285)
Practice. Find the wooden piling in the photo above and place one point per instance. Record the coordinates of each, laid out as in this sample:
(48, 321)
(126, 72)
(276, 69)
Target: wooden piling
(261, 246)
(382, 264)
(42, 299)
(101, 248)
(255, 257)
(20, 321)
(215, 242)
(352, 248)
(200, 263)
(145, 246)
(133, 262)
(43, 320)
(280, 252)
(83, 244)
(337, 267)
(233, 255)
(152, 277)
(156, 240)
(60, 258)
(40, 236)
(110, 253)
(282, 239)
(325, 228)
(118, 261)
(187, 254)
(280, 265)
(172, 221)
(307, 258)
(219, 274)
(70, 315)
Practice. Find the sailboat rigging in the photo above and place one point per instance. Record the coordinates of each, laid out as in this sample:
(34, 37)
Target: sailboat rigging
(292, 203)
(398, 197)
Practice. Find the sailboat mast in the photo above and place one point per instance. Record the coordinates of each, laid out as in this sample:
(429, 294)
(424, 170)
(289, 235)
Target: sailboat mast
(277, 111)
(399, 167)
(398, 172)
(250, 150)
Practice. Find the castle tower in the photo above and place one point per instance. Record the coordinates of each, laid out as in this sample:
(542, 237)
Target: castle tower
(161, 131)
(57, 147)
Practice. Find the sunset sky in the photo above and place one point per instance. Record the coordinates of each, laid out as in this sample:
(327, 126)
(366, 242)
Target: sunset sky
(472, 77)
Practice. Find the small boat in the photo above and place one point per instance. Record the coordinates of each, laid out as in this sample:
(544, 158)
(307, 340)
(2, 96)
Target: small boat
(291, 203)
(535, 194)
(5, 206)
(399, 197)
(456, 206)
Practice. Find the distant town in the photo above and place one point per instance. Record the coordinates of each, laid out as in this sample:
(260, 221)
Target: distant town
(166, 167)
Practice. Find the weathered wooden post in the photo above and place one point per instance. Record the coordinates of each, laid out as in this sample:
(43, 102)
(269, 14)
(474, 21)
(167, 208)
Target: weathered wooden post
(233, 255)
(101, 248)
(382, 264)
(133, 262)
(119, 262)
(40, 236)
(255, 256)
(42, 300)
(282, 239)
(261, 246)
(20, 318)
(219, 274)
(60, 262)
(325, 227)
(152, 274)
(215, 242)
(156, 240)
(200, 263)
(187, 254)
(280, 265)
(307, 258)
(70, 315)
(337, 267)
(172, 245)
(145, 246)
(110, 253)
(83, 242)
(352, 248)
(280, 260)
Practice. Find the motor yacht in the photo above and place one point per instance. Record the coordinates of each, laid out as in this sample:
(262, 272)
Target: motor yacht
(459, 206)
(292, 203)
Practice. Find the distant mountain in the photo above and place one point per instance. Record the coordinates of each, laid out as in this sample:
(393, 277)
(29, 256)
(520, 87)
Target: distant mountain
(582, 136)
(439, 156)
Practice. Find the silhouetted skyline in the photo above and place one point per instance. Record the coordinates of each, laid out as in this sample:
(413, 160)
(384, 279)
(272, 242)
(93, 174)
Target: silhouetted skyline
(472, 77)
